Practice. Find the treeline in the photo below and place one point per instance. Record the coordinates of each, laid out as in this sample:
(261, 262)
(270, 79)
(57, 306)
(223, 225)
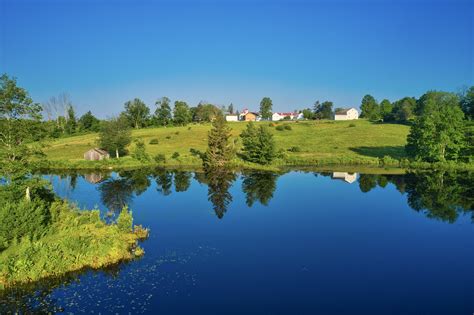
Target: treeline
(61, 119)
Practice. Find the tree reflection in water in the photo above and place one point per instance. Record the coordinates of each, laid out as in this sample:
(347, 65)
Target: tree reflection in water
(219, 180)
(258, 186)
(442, 195)
(115, 193)
(164, 181)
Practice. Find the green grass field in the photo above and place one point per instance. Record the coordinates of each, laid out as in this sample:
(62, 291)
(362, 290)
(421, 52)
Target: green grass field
(318, 141)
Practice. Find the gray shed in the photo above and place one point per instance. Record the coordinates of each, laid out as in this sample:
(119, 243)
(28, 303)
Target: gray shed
(96, 155)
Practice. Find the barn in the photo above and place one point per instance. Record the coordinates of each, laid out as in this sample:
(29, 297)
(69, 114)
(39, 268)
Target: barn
(96, 155)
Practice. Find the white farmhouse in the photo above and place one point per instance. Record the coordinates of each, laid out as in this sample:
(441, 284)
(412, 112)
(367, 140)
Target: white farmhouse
(346, 114)
(280, 116)
(232, 118)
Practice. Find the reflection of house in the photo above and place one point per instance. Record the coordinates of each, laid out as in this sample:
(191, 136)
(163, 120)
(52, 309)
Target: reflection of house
(346, 114)
(96, 155)
(347, 177)
(94, 178)
(232, 118)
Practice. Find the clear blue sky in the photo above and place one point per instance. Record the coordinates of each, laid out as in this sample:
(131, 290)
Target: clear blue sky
(105, 52)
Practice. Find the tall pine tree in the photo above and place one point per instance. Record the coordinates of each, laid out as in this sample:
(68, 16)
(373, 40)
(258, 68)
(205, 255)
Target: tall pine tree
(219, 149)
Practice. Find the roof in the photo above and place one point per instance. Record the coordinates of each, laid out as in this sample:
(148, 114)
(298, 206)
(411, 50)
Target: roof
(286, 114)
(254, 113)
(343, 111)
(100, 151)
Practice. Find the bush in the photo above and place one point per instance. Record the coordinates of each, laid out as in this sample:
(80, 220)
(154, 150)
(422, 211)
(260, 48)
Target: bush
(154, 141)
(176, 133)
(294, 149)
(271, 125)
(125, 220)
(189, 128)
(139, 153)
(175, 155)
(168, 137)
(352, 125)
(160, 158)
(288, 127)
(280, 128)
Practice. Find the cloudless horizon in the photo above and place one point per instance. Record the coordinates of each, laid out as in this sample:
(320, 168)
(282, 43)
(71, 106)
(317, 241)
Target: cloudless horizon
(103, 53)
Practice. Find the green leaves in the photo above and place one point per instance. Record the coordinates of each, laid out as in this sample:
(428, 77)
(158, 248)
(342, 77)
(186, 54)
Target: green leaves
(259, 146)
(266, 108)
(219, 150)
(115, 135)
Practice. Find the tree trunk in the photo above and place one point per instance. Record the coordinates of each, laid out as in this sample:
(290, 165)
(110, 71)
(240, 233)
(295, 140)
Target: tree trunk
(27, 194)
(116, 153)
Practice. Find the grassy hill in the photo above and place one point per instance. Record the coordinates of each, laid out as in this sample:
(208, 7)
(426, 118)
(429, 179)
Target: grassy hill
(316, 142)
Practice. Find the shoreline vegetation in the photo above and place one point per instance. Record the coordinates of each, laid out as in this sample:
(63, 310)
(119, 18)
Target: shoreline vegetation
(307, 143)
(71, 240)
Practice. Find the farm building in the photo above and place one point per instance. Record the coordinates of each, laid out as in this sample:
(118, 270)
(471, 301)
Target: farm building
(251, 116)
(346, 114)
(94, 178)
(232, 118)
(280, 116)
(96, 155)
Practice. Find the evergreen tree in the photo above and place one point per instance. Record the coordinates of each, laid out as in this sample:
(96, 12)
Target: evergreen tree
(163, 112)
(266, 108)
(258, 144)
(89, 122)
(231, 109)
(467, 102)
(219, 150)
(437, 134)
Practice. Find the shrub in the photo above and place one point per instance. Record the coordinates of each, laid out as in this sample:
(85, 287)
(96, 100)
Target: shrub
(175, 155)
(271, 125)
(294, 149)
(168, 137)
(189, 128)
(176, 133)
(154, 141)
(280, 128)
(160, 158)
(288, 127)
(125, 220)
(352, 125)
(139, 153)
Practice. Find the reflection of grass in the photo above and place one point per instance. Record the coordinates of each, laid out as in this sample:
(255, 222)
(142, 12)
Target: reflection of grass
(75, 240)
(320, 140)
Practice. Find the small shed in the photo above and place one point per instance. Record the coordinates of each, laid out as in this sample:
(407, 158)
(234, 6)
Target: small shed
(96, 155)
(232, 118)
(346, 114)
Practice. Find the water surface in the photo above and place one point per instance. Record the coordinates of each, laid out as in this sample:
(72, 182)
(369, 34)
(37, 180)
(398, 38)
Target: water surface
(276, 243)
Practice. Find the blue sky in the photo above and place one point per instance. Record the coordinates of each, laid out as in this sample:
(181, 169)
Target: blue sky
(104, 53)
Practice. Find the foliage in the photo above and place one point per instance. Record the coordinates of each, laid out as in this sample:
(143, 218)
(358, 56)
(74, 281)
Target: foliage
(19, 117)
(181, 113)
(219, 149)
(163, 112)
(160, 158)
(403, 110)
(259, 186)
(139, 152)
(125, 220)
(324, 110)
(467, 102)
(73, 241)
(175, 155)
(280, 127)
(115, 135)
(386, 109)
(266, 108)
(205, 112)
(288, 127)
(294, 149)
(154, 141)
(437, 135)
(370, 109)
(308, 113)
(219, 180)
(258, 144)
(89, 122)
(136, 112)
(71, 122)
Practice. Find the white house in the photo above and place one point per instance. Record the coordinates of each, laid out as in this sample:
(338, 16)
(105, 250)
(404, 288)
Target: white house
(347, 177)
(346, 114)
(280, 116)
(232, 118)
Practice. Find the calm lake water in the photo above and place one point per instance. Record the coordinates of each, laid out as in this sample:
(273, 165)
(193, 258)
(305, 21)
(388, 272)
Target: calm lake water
(267, 243)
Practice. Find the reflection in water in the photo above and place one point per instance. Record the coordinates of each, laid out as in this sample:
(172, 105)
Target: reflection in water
(164, 181)
(93, 178)
(441, 195)
(258, 186)
(182, 180)
(116, 193)
(345, 176)
(219, 180)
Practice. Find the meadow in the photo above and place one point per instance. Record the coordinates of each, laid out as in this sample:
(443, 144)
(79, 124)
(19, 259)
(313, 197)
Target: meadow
(303, 143)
